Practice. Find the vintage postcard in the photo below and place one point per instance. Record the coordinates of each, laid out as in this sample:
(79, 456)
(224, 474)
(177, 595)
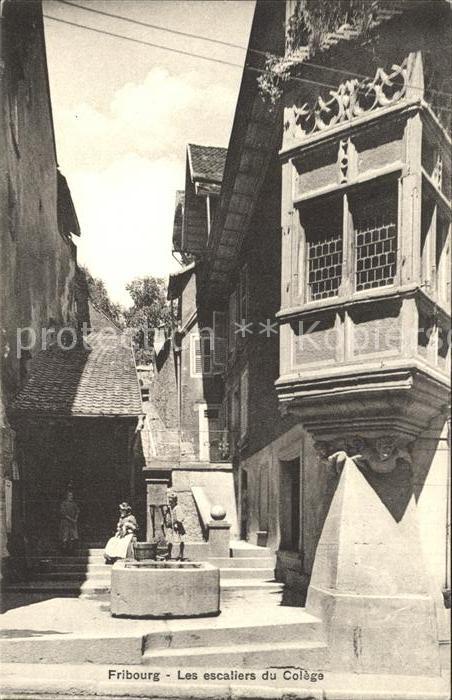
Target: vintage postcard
(225, 349)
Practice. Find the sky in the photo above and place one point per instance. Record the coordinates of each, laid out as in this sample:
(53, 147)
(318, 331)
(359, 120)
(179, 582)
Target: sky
(123, 114)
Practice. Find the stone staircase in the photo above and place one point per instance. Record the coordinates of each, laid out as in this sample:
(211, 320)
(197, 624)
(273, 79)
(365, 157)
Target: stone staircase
(86, 574)
(281, 637)
(244, 645)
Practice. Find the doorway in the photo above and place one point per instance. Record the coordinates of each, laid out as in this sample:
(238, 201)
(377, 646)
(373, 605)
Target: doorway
(289, 505)
(209, 431)
(244, 504)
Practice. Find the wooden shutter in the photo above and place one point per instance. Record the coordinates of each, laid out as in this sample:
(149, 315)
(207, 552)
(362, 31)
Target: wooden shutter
(219, 340)
(201, 354)
(207, 355)
(196, 356)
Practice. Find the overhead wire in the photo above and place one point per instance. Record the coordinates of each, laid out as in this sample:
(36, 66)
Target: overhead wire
(178, 51)
(228, 44)
(191, 54)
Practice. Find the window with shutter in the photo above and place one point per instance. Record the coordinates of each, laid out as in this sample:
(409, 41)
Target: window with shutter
(219, 340)
(201, 355)
(244, 403)
(206, 351)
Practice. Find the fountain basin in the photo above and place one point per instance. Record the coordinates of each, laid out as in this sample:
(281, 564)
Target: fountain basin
(164, 589)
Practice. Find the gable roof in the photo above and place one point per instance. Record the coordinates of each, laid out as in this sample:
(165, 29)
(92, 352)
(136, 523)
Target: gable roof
(178, 280)
(97, 378)
(178, 220)
(206, 162)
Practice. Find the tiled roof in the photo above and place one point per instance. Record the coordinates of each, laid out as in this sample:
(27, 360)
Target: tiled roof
(206, 162)
(95, 379)
(178, 280)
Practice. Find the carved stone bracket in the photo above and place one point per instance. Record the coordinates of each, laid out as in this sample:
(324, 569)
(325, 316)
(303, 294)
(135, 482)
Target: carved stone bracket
(381, 454)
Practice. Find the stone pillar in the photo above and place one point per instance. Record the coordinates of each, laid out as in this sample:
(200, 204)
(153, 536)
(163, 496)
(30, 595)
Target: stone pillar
(218, 533)
(156, 490)
(369, 586)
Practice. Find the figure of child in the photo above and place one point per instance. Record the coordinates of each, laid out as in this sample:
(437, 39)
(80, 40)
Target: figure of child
(175, 530)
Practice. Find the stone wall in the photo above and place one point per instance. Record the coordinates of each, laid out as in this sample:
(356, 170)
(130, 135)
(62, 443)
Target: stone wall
(37, 263)
(163, 387)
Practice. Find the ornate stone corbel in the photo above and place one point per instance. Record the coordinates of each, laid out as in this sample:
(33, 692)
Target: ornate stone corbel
(382, 454)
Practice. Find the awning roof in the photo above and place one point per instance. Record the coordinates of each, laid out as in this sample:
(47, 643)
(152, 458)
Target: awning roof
(95, 379)
(206, 162)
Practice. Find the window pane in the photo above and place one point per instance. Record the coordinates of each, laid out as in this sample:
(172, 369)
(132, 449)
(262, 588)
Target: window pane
(324, 253)
(375, 224)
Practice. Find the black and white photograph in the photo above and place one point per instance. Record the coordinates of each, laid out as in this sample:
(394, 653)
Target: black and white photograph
(225, 291)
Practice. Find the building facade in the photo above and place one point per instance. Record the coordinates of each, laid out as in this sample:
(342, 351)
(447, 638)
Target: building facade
(330, 252)
(186, 436)
(364, 318)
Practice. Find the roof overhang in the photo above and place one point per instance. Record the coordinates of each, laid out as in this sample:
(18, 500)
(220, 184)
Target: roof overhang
(255, 137)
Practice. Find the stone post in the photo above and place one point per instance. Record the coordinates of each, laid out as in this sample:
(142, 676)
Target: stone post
(369, 587)
(218, 533)
(156, 490)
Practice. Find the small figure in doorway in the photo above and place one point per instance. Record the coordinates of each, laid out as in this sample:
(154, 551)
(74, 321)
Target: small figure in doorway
(120, 546)
(69, 512)
(175, 530)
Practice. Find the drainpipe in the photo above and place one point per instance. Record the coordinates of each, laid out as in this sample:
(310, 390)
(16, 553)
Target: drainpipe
(448, 523)
(178, 358)
(3, 227)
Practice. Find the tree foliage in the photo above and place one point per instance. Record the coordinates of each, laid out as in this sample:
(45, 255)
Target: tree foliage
(308, 28)
(149, 311)
(99, 296)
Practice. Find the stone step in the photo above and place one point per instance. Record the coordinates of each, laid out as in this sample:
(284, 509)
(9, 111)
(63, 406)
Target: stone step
(104, 574)
(80, 565)
(102, 585)
(243, 562)
(308, 654)
(85, 559)
(74, 679)
(66, 649)
(69, 587)
(82, 552)
(163, 647)
(309, 628)
(264, 574)
(243, 549)
(92, 551)
(76, 568)
(73, 576)
(236, 584)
